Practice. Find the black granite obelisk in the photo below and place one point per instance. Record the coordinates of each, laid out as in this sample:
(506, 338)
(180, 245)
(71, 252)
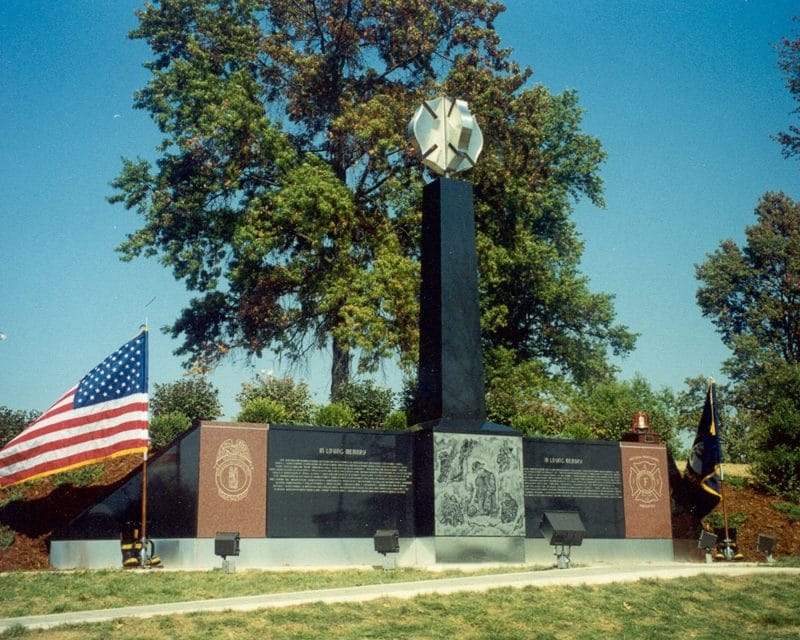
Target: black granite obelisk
(451, 390)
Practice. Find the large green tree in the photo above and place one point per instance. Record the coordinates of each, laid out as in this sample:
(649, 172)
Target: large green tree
(789, 63)
(752, 293)
(286, 194)
(607, 410)
(735, 421)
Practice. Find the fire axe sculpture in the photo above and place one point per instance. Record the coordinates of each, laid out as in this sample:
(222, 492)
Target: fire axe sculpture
(450, 393)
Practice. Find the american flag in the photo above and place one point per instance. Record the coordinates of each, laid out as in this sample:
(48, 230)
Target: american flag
(103, 416)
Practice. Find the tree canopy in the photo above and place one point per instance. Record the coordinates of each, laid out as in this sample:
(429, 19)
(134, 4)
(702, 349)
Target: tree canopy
(789, 63)
(286, 195)
(752, 293)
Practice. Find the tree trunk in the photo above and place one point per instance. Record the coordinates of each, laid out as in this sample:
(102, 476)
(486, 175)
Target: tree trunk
(340, 367)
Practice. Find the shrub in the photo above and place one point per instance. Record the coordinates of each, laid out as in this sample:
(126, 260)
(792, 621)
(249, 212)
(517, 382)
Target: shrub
(334, 415)
(396, 421)
(165, 428)
(293, 397)
(371, 404)
(790, 509)
(7, 536)
(264, 410)
(194, 397)
(579, 431)
(80, 477)
(12, 494)
(777, 469)
(717, 520)
(736, 481)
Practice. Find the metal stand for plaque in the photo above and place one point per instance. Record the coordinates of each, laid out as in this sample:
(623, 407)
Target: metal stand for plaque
(766, 545)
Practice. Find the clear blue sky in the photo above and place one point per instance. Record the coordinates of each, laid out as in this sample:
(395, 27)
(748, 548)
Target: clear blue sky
(683, 95)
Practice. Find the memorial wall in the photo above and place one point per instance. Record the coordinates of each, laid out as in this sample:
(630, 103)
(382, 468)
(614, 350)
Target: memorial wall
(172, 477)
(311, 482)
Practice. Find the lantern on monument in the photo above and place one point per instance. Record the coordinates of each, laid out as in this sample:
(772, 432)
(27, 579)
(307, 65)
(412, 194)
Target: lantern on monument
(446, 135)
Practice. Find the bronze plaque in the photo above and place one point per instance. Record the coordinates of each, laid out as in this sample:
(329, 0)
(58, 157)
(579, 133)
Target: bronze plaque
(232, 493)
(646, 491)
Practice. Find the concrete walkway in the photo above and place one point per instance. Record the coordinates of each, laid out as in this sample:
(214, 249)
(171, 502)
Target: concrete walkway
(570, 577)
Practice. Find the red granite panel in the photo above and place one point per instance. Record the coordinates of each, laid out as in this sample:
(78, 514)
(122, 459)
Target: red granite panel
(232, 493)
(646, 491)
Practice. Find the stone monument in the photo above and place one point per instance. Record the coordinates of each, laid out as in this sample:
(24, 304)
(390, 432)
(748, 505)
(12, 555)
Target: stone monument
(450, 375)
(468, 471)
(456, 488)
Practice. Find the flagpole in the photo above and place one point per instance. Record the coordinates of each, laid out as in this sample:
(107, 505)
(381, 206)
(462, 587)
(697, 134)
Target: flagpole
(728, 552)
(144, 465)
(144, 509)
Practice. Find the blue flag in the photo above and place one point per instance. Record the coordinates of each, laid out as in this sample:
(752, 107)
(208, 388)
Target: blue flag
(703, 467)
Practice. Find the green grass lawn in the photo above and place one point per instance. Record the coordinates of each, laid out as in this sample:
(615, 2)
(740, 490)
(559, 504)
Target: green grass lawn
(709, 607)
(43, 592)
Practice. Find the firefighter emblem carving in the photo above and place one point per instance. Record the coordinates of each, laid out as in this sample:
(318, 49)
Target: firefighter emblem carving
(233, 470)
(647, 485)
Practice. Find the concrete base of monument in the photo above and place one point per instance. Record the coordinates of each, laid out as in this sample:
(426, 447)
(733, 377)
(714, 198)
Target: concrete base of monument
(602, 550)
(331, 553)
(254, 553)
(479, 549)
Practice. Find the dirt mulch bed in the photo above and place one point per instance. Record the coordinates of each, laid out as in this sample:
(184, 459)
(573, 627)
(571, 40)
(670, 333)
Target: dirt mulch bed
(44, 508)
(761, 517)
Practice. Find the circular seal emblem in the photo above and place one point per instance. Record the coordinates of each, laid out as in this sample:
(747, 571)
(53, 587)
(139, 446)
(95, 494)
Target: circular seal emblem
(646, 483)
(233, 470)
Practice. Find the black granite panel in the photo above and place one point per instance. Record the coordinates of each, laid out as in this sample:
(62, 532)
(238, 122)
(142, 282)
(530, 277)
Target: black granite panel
(568, 475)
(338, 483)
(172, 477)
(424, 505)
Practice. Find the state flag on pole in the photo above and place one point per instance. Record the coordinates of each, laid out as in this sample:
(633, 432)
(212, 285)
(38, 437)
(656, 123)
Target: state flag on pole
(703, 467)
(103, 416)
